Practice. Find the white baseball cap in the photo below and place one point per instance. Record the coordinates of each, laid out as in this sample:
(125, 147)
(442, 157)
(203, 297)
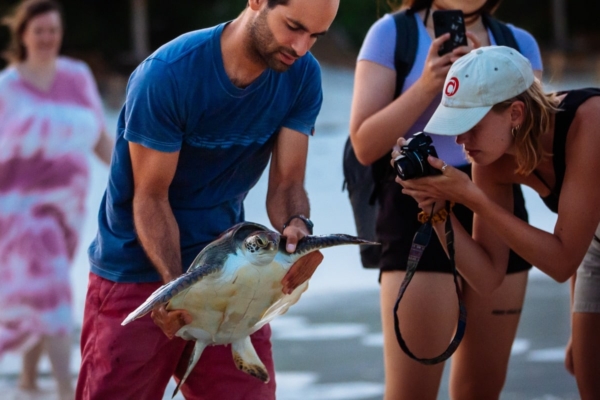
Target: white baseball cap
(475, 83)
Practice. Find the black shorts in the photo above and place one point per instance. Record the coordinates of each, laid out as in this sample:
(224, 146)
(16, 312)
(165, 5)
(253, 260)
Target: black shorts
(397, 224)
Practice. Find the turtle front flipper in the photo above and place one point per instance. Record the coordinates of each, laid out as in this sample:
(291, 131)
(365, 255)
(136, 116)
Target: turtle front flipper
(246, 359)
(198, 349)
(313, 243)
(166, 292)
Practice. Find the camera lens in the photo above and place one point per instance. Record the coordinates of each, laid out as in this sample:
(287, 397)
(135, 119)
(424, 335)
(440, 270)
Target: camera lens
(409, 166)
(403, 168)
(412, 163)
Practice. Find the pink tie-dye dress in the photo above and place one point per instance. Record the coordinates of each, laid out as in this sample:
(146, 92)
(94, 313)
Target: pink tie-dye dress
(46, 140)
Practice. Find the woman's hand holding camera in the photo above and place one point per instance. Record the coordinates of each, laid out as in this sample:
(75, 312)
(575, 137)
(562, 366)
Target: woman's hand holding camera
(425, 201)
(396, 150)
(451, 184)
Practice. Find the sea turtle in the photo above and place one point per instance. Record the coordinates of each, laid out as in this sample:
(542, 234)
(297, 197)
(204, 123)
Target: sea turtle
(233, 288)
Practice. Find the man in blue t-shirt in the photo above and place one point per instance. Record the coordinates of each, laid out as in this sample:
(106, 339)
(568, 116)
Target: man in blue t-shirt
(203, 115)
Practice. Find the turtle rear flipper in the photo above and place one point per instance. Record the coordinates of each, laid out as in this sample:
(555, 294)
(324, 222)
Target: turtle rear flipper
(198, 349)
(166, 292)
(246, 359)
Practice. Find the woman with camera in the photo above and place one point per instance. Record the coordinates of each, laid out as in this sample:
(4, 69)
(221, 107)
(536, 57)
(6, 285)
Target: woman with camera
(428, 309)
(517, 134)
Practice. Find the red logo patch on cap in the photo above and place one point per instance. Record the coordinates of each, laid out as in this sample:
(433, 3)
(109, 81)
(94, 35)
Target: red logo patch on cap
(451, 87)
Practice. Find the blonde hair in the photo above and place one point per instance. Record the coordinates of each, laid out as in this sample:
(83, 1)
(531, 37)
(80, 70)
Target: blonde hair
(539, 109)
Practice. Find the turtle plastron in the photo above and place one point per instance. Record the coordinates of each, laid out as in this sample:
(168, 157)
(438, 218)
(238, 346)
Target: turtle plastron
(233, 288)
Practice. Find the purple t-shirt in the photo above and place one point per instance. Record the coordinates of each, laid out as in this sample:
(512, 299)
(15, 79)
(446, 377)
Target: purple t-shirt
(379, 46)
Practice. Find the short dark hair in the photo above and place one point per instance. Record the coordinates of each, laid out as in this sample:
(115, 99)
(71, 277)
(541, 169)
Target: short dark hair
(17, 23)
(275, 3)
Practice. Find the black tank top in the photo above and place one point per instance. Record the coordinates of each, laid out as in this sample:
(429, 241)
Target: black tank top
(562, 123)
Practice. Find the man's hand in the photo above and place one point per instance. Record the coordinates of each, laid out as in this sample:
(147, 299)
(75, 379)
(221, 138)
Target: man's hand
(170, 321)
(295, 231)
(301, 271)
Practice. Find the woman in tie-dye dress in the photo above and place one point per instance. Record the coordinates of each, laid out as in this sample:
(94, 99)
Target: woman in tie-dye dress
(50, 124)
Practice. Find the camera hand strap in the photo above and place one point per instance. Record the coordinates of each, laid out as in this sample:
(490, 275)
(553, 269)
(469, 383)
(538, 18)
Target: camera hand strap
(420, 242)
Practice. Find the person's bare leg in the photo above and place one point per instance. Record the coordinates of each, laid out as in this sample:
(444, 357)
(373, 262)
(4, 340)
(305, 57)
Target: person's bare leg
(29, 373)
(479, 365)
(428, 313)
(59, 352)
(586, 354)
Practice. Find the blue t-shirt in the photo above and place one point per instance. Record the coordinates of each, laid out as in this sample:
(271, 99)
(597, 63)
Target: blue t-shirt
(181, 99)
(379, 46)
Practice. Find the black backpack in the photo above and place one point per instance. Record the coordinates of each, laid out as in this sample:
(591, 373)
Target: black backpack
(363, 182)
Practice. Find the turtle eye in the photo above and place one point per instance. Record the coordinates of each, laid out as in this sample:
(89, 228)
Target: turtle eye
(261, 241)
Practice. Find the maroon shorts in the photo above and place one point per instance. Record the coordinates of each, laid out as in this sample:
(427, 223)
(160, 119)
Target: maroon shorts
(136, 361)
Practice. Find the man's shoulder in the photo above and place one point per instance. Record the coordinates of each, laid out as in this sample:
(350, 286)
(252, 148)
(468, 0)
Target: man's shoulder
(176, 59)
(186, 45)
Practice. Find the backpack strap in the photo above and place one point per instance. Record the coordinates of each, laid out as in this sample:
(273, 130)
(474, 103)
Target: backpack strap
(407, 40)
(502, 33)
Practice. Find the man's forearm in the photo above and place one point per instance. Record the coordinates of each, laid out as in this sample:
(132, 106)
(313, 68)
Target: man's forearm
(158, 234)
(283, 202)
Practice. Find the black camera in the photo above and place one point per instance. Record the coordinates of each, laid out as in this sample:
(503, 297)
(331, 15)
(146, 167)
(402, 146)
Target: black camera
(412, 162)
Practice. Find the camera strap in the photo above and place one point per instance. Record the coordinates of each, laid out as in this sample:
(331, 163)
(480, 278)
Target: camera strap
(420, 242)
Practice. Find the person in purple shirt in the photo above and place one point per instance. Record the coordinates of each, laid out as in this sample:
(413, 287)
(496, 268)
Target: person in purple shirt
(203, 116)
(429, 306)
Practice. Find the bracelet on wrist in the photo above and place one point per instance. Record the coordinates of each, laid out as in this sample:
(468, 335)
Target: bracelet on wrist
(439, 216)
(309, 224)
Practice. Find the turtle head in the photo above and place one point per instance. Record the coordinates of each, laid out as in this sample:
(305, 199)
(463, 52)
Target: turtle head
(261, 247)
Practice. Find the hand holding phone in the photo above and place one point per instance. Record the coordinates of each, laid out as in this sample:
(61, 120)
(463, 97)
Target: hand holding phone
(453, 22)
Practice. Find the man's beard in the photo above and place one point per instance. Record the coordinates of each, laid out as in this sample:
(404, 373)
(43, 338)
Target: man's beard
(264, 48)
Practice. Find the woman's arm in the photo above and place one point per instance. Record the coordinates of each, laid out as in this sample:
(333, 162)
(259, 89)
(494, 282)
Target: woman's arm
(376, 119)
(559, 254)
(481, 263)
(482, 259)
(103, 148)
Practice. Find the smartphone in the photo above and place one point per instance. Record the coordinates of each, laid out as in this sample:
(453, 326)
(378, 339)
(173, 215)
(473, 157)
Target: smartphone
(452, 21)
